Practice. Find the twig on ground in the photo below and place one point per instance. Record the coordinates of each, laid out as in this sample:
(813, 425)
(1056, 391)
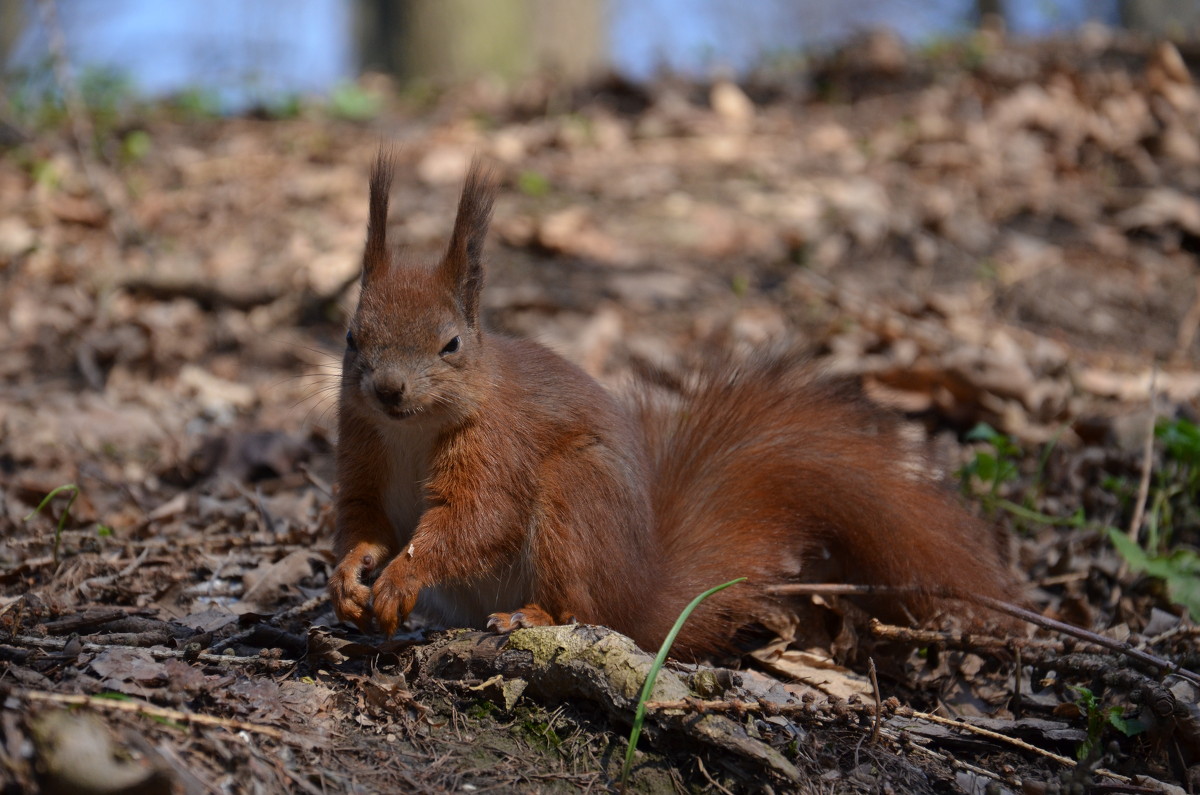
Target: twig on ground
(954, 762)
(1061, 579)
(1000, 606)
(295, 610)
(958, 640)
(85, 621)
(159, 653)
(1017, 704)
(743, 707)
(878, 700)
(1139, 508)
(148, 710)
(905, 712)
(87, 585)
(1166, 666)
(704, 772)
(1187, 630)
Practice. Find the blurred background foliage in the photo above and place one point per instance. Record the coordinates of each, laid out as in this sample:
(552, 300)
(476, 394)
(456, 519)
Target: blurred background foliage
(229, 56)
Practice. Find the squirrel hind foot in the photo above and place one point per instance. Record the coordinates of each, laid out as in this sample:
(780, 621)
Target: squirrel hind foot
(527, 616)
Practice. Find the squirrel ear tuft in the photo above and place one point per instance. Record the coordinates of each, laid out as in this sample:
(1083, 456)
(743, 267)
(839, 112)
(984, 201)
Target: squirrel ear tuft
(376, 256)
(462, 267)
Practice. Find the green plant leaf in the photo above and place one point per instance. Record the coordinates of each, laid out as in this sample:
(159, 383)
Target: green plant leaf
(532, 183)
(112, 695)
(1130, 727)
(1180, 570)
(135, 146)
(985, 466)
(62, 521)
(354, 103)
(982, 432)
(1180, 438)
(640, 715)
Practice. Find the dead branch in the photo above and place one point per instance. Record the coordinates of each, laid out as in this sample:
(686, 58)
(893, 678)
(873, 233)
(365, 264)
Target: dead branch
(58, 644)
(1139, 508)
(147, 710)
(743, 707)
(1162, 665)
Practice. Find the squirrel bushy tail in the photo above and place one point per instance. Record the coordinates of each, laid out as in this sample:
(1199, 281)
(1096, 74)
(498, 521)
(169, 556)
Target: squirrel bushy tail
(769, 470)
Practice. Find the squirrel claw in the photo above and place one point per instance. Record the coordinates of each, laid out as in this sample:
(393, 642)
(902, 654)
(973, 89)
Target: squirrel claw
(394, 596)
(528, 616)
(504, 623)
(350, 599)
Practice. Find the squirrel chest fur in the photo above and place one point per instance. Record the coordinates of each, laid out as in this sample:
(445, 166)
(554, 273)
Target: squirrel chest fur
(479, 474)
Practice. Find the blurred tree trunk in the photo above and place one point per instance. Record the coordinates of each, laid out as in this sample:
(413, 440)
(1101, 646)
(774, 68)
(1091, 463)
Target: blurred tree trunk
(1173, 18)
(12, 23)
(460, 39)
(989, 8)
(377, 28)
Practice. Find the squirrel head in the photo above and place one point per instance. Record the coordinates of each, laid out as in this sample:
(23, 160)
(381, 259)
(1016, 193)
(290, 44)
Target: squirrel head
(414, 349)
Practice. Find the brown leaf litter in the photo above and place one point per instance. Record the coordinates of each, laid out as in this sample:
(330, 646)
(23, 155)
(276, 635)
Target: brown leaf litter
(1010, 239)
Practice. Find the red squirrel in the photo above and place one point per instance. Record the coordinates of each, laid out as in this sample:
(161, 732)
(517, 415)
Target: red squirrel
(478, 473)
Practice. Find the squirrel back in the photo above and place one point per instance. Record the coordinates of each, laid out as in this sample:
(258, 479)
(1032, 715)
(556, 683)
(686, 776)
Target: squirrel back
(479, 474)
(770, 470)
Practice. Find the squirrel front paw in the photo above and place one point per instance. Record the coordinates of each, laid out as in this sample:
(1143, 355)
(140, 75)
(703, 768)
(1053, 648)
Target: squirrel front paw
(348, 591)
(527, 616)
(394, 595)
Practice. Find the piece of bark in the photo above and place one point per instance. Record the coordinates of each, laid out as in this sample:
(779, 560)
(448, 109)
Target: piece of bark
(82, 622)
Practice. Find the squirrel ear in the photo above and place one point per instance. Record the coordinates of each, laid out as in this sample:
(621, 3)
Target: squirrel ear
(376, 256)
(462, 267)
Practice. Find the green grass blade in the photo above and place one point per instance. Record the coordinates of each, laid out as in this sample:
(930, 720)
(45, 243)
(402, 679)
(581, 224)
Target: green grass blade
(639, 717)
(62, 521)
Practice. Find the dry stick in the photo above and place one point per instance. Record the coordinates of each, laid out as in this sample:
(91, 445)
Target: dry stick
(878, 700)
(742, 707)
(57, 644)
(711, 780)
(1061, 579)
(315, 480)
(295, 610)
(999, 606)
(148, 710)
(1174, 632)
(1186, 334)
(1083, 634)
(953, 762)
(959, 640)
(1139, 509)
(701, 705)
(1013, 741)
(105, 579)
(1017, 703)
(965, 641)
(134, 564)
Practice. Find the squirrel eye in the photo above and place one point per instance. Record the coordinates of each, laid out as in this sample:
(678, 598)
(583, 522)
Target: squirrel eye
(451, 347)
(350, 343)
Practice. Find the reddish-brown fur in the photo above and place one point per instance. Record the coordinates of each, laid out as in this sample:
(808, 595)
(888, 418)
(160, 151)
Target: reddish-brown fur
(480, 473)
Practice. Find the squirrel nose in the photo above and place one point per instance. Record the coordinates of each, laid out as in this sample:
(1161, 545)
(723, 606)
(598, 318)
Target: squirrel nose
(389, 396)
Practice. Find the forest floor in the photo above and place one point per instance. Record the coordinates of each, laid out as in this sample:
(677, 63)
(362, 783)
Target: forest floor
(999, 240)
